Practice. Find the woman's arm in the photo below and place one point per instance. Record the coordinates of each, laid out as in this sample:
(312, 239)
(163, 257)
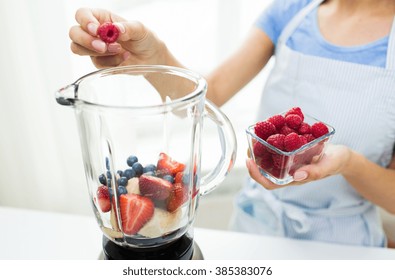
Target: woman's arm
(139, 45)
(240, 68)
(372, 181)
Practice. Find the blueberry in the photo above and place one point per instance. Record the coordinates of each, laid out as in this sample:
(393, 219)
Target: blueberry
(109, 176)
(169, 178)
(138, 168)
(120, 173)
(110, 192)
(149, 168)
(132, 160)
(107, 163)
(122, 190)
(103, 179)
(185, 178)
(129, 173)
(150, 173)
(123, 181)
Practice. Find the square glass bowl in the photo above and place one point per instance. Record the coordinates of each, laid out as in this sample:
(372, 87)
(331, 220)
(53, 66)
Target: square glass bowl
(279, 166)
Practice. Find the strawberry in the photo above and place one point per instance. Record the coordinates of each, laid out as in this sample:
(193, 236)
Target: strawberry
(264, 129)
(296, 111)
(167, 164)
(293, 121)
(103, 197)
(178, 177)
(276, 140)
(178, 196)
(292, 142)
(108, 32)
(136, 211)
(277, 120)
(154, 187)
(318, 129)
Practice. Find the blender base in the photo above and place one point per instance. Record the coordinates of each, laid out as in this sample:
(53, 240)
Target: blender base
(183, 248)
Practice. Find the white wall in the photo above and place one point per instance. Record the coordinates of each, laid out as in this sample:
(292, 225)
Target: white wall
(40, 159)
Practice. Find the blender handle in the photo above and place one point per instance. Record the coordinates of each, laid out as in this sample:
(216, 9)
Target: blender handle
(67, 95)
(228, 145)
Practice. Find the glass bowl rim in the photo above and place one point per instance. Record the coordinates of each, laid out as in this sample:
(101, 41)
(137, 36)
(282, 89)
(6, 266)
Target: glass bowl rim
(250, 131)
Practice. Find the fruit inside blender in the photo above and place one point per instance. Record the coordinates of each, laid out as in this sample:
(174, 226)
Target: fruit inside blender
(148, 201)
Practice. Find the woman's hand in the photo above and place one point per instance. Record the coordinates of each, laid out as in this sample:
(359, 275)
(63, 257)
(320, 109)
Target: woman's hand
(136, 44)
(334, 160)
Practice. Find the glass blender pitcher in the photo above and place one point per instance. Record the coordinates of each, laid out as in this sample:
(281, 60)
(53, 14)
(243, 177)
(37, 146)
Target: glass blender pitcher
(140, 129)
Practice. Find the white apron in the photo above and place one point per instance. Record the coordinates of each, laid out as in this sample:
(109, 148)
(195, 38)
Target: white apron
(359, 101)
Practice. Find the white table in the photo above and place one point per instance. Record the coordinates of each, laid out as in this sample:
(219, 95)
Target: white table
(28, 234)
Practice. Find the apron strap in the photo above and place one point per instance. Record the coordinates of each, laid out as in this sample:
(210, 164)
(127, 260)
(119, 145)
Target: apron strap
(296, 20)
(391, 48)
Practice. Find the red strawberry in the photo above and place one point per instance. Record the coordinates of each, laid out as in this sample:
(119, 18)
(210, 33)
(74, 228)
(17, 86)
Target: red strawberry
(292, 142)
(293, 121)
(296, 111)
(318, 129)
(154, 187)
(277, 120)
(166, 163)
(136, 211)
(178, 196)
(178, 177)
(264, 129)
(108, 32)
(304, 128)
(103, 197)
(286, 130)
(276, 140)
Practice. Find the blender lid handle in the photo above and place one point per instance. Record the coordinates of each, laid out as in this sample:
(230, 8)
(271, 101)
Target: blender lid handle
(67, 95)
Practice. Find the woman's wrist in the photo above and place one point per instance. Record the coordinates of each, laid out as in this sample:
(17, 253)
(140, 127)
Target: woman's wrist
(350, 166)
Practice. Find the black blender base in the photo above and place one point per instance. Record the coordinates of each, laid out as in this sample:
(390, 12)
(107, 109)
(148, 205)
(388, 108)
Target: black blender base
(183, 248)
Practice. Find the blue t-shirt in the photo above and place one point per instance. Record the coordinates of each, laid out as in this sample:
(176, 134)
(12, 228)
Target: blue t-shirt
(307, 38)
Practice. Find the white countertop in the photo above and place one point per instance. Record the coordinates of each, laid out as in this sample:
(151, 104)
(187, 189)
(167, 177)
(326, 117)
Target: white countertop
(28, 234)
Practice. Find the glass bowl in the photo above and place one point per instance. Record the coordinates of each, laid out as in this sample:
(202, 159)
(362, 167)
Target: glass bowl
(279, 166)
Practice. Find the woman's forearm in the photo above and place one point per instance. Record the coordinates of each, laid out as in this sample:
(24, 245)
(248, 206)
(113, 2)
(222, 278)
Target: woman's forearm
(372, 181)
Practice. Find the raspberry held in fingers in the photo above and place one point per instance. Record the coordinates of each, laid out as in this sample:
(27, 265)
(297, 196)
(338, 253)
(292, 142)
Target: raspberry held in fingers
(108, 32)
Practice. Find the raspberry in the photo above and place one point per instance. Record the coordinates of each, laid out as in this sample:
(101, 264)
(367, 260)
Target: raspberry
(309, 137)
(277, 120)
(108, 32)
(276, 140)
(286, 130)
(303, 139)
(264, 161)
(318, 129)
(279, 161)
(259, 149)
(264, 129)
(292, 142)
(304, 128)
(296, 111)
(293, 121)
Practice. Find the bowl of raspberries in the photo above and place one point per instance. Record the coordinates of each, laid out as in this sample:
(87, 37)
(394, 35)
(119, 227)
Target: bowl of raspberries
(287, 141)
